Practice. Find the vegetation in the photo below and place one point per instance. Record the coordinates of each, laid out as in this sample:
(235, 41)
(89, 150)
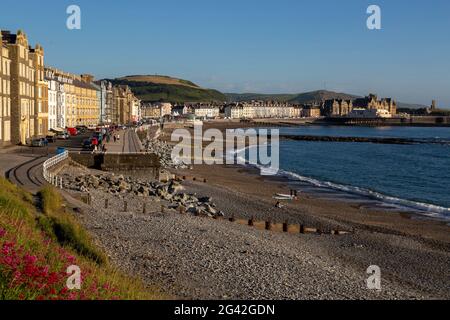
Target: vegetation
(161, 88)
(36, 249)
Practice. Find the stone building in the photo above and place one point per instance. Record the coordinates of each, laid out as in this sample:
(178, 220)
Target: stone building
(5, 95)
(23, 87)
(311, 111)
(337, 108)
(156, 110)
(124, 101)
(372, 102)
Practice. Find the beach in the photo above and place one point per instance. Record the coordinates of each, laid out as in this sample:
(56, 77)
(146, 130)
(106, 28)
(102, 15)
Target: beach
(202, 256)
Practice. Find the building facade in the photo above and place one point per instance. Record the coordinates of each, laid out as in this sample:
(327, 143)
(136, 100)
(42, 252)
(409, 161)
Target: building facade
(124, 102)
(41, 92)
(371, 102)
(337, 108)
(261, 110)
(5, 95)
(23, 115)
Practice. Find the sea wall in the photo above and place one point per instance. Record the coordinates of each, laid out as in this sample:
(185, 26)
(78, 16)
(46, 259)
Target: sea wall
(117, 162)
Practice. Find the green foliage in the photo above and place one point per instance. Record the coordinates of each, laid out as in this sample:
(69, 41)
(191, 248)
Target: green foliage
(154, 92)
(64, 228)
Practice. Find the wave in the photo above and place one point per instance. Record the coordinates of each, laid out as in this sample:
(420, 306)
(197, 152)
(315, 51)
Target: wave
(426, 209)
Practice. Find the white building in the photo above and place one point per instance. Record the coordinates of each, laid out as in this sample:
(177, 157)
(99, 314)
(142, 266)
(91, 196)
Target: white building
(261, 110)
(206, 111)
(369, 113)
(52, 104)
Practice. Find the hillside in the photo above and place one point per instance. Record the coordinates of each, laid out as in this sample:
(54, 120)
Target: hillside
(163, 88)
(307, 97)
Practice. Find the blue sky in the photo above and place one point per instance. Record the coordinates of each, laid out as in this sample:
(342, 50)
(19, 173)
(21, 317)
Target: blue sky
(250, 45)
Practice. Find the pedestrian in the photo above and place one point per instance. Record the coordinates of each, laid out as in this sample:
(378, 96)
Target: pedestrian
(118, 137)
(115, 138)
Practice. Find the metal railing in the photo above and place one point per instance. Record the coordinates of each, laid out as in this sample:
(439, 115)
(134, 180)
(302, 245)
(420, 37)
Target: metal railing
(51, 178)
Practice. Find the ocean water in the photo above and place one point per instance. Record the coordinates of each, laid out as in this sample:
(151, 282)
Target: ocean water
(410, 177)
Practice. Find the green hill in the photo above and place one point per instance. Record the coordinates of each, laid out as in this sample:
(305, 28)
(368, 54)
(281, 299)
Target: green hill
(163, 88)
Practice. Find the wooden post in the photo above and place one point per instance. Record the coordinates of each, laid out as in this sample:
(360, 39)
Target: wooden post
(106, 203)
(144, 208)
(285, 226)
(125, 206)
(251, 222)
(302, 229)
(205, 181)
(232, 219)
(268, 225)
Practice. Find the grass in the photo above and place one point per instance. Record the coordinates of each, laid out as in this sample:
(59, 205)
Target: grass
(63, 227)
(37, 247)
(174, 93)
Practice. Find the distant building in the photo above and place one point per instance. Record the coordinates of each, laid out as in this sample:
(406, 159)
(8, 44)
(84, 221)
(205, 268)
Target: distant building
(337, 108)
(179, 110)
(311, 112)
(124, 100)
(371, 102)
(261, 110)
(156, 110)
(206, 111)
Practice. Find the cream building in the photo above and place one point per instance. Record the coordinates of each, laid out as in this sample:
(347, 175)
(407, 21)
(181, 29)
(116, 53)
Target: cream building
(41, 92)
(5, 95)
(206, 111)
(261, 110)
(23, 75)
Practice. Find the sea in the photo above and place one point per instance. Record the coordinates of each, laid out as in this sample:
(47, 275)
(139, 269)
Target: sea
(411, 178)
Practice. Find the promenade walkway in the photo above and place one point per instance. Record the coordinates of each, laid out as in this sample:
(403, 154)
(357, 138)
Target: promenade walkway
(128, 143)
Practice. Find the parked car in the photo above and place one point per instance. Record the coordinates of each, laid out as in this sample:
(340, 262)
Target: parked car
(82, 129)
(72, 131)
(62, 136)
(38, 142)
(51, 137)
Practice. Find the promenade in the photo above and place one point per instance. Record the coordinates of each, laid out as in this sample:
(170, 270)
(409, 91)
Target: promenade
(128, 143)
